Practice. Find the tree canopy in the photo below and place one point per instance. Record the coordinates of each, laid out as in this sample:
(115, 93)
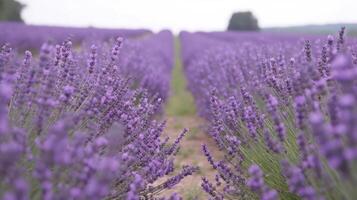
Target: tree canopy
(10, 10)
(243, 21)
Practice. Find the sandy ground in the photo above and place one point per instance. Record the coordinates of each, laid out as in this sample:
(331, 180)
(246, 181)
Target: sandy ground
(191, 154)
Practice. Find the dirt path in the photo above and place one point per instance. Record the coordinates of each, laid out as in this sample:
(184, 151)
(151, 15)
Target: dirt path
(180, 114)
(191, 154)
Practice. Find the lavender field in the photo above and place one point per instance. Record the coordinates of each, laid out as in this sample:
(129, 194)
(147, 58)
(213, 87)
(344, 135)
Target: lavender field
(134, 114)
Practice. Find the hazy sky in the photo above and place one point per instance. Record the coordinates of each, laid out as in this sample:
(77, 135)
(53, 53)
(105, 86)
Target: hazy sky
(185, 14)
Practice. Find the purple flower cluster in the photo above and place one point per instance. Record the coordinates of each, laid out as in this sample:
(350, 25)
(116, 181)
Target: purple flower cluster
(256, 183)
(81, 124)
(297, 183)
(269, 98)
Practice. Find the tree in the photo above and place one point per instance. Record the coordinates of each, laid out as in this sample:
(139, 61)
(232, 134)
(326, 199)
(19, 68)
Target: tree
(10, 10)
(243, 21)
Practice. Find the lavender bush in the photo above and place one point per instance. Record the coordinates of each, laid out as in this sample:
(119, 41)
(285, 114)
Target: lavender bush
(149, 62)
(282, 108)
(76, 125)
(22, 36)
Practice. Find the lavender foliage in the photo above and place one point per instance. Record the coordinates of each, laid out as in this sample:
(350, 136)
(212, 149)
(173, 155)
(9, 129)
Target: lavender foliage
(285, 103)
(80, 124)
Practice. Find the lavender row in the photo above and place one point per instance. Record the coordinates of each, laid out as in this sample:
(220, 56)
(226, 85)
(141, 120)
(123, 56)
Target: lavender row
(75, 124)
(282, 108)
(24, 37)
(150, 61)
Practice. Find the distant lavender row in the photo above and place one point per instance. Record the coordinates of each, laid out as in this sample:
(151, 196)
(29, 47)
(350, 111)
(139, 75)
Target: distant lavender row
(149, 62)
(283, 109)
(75, 124)
(24, 37)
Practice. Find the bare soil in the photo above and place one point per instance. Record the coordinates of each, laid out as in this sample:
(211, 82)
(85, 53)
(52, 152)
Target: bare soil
(191, 154)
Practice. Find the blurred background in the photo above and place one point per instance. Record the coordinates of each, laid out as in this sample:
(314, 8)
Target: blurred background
(191, 15)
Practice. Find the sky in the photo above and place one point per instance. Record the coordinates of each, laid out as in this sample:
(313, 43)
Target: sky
(191, 15)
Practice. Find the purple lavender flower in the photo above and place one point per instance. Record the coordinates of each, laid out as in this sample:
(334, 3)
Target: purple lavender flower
(341, 39)
(256, 183)
(308, 51)
(271, 143)
(274, 112)
(210, 189)
(174, 146)
(135, 187)
(297, 183)
(208, 156)
(92, 59)
(186, 171)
